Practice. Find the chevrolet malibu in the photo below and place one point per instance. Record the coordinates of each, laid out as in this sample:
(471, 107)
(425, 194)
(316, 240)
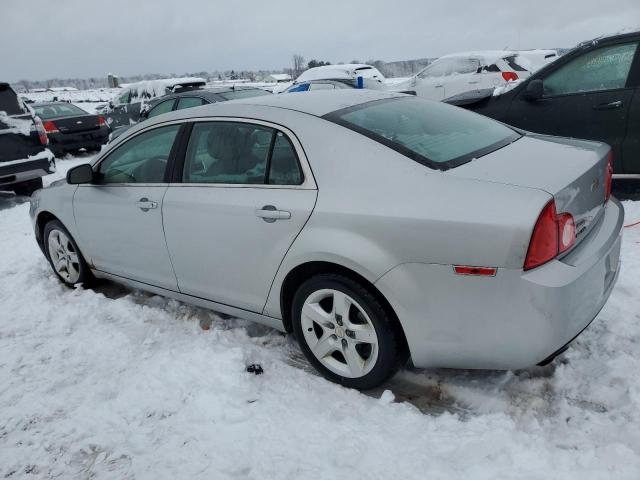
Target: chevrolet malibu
(375, 226)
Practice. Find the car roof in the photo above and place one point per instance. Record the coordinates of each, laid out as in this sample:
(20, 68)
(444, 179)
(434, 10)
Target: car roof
(627, 33)
(317, 103)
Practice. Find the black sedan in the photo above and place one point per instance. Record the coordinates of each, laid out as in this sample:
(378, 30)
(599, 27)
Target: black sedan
(70, 128)
(592, 92)
(192, 98)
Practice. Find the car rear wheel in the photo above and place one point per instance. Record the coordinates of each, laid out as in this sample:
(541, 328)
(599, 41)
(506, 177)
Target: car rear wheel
(344, 331)
(28, 187)
(64, 256)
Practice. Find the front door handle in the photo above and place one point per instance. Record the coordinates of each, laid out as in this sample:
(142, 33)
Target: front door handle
(270, 214)
(608, 106)
(145, 204)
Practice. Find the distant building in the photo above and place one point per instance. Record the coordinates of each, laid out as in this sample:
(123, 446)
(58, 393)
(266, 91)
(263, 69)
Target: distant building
(278, 78)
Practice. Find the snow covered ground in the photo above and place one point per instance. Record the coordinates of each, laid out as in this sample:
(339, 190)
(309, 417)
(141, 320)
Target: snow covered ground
(117, 384)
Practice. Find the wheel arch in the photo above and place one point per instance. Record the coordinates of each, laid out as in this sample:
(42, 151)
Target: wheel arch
(304, 271)
(42, 219)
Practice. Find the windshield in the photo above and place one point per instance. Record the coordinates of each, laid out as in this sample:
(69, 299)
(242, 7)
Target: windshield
(58, 110)
(434, 134)
(234, 94)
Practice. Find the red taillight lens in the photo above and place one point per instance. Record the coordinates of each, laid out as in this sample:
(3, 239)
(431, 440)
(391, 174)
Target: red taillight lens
(552, 235)
(566, 232)
(544, 240)
(509, 76)
(608, 181)
(50, 127)
(101, 120)
(42, 134)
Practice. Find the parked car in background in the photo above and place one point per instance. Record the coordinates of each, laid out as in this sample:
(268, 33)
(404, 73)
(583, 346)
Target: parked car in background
(70, 128)
(371, 76)
(592, 92)
(192, 98)
(24, 156)
(373, 225)
(462, 72)
(125, 109)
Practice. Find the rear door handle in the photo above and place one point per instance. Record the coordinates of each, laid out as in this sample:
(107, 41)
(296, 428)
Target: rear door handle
(145, 204)
(270, 214)
(608, 106)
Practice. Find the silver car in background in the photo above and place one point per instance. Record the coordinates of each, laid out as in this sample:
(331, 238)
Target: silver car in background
(375, 226)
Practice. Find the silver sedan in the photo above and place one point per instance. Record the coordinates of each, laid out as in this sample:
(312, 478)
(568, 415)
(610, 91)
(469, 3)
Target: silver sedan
(378, 227)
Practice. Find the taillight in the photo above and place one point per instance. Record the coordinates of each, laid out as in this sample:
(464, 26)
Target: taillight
(101, 121)
(544, 240)
(509, 76)
(50, 127)
(552, 235)
(608, 181)
(42, 134)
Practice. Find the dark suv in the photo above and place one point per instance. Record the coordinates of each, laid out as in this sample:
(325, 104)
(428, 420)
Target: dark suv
(24, 156)
(592, 92)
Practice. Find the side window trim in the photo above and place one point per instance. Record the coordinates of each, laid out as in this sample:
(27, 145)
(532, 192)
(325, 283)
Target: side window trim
(308, 180)
(184, 126)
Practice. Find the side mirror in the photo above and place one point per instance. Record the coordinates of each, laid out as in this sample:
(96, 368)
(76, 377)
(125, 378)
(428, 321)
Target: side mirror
(80, 174)
(534, 90)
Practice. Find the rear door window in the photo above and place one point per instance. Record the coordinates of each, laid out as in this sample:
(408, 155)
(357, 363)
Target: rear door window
(606, 68)
(240, 153)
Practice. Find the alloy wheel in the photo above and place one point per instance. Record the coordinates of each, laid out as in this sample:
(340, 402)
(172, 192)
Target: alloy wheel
(339, 333)
(64, 257)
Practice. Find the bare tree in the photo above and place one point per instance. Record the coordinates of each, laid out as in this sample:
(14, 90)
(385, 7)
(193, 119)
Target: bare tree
(298, 65)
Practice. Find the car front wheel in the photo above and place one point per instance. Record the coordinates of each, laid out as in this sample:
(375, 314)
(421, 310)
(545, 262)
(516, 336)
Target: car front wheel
(344, 331)
(64, 256)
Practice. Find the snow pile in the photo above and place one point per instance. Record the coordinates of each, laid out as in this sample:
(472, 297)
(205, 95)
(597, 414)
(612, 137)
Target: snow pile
(109, 383)
(156, 88)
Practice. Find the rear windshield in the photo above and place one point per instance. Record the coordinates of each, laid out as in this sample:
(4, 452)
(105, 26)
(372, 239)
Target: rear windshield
(234, 94)
(434, 134)
(62, 110)
(9, 101)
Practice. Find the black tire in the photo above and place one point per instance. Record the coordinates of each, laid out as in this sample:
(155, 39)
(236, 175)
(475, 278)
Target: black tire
(27, 188)
(387, 361)
(85, 277)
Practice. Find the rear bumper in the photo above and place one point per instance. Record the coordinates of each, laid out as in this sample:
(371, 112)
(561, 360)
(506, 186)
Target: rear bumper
(64, 142)
(17, 171)
(513, 320)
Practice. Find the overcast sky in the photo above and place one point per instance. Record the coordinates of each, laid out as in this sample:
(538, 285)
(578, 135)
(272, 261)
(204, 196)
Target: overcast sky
(82, 38)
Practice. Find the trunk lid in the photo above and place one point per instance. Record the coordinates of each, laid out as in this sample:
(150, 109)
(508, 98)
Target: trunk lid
(81, 123)
(572, 171)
